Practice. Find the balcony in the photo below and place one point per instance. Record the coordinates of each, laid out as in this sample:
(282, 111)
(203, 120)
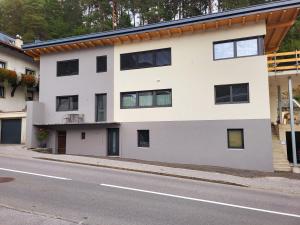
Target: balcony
(284, 63)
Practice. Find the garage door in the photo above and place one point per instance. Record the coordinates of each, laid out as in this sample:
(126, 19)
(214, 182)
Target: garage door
(11, 131)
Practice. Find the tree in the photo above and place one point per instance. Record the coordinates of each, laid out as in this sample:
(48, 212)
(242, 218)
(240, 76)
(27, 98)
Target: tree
(33, 20)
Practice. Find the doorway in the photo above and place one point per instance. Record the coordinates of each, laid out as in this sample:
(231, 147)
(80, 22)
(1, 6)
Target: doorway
(113, 141)
(61, 142)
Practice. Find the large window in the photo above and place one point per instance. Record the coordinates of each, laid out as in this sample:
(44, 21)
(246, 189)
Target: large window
(67, 68)
(238, 48)
(143, 138)
(67, 103)
(144, 99)
(232, 93)
(101, 64)
(145, 59)
(100, 107)
(2, 91)
(2, 65)
(235, 138)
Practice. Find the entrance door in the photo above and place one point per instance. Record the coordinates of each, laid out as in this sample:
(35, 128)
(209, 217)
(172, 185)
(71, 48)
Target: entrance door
(113, 141)
(11, 131)
(61, 142)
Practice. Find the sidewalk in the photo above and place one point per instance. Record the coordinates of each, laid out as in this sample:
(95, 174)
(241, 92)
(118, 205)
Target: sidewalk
(268, 182)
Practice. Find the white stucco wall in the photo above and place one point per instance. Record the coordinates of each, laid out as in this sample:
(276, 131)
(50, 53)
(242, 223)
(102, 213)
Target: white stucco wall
(192, 77)
(85, 85)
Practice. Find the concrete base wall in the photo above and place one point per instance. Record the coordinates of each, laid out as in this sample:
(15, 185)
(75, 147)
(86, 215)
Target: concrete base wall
(35, 115)
(201, 142)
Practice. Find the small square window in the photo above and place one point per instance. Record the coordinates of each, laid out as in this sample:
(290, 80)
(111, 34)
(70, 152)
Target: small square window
(82, 135)
(2, 65)
(101, 64)
(2, 92)
(29, 71)
(143, 138)
(235, 138)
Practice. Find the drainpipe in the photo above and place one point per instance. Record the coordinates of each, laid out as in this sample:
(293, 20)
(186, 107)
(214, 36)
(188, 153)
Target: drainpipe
(290, 84)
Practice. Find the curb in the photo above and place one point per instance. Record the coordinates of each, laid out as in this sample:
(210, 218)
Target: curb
(145, 171)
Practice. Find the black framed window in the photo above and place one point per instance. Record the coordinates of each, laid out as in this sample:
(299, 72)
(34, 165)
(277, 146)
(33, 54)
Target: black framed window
(146, 59)
(2, 65)
(2, 91)
(232, 93)
(82, 135)
(29, 71)
(143, 138)
(146, 99)
(67, 103)
(68, 67)
(236, 48)
(235, 138)
(101, 64)
(29, 95)
(100, 107)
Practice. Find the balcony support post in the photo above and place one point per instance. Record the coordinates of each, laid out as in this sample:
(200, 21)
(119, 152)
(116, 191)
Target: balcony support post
(279, 104)
(290, 87)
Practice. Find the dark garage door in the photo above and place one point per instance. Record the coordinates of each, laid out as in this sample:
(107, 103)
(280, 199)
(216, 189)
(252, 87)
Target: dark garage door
(11, 131)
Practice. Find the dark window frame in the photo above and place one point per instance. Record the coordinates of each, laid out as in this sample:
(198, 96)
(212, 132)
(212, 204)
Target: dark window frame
(98, 69)
(243, 138)
(29, 71)
(154, 100)
(142, 145)
(82, 135)
(146, 52)
(3, 63)
(64, 61)
(3, 91)
(260, 47)
(96, 110)
(67, 96)
(231, 95)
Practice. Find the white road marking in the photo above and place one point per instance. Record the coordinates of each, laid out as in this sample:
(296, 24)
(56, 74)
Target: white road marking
(35, 174)
(203, 200)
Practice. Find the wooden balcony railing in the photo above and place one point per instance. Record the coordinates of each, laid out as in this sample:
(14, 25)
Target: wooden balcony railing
(284, 61)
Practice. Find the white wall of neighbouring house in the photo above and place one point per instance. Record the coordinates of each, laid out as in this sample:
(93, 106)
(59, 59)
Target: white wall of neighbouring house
(18, 62)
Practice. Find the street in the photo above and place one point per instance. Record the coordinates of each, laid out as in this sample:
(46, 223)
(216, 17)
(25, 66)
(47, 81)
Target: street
(77, 194)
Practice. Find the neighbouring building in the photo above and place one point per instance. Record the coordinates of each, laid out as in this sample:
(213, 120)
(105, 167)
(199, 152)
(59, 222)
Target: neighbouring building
(191, 91)
(17, 70)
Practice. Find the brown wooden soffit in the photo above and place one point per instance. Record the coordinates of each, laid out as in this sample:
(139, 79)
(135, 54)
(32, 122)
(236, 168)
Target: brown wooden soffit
(278, 24)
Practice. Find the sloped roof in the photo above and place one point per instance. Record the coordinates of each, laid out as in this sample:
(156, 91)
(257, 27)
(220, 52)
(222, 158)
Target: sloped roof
(279, 17)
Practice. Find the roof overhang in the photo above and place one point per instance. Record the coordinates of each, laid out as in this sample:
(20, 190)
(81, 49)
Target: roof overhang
(6, 45)
(78, 125)
(278, 16)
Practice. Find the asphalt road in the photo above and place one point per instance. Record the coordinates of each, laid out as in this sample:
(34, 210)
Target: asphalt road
(44, 192)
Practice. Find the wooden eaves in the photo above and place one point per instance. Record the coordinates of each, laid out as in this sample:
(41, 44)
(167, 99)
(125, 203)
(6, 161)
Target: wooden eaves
(278, 22)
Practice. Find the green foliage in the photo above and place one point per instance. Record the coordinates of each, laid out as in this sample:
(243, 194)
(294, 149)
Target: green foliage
(42, 134)
(48, 19)
(292, 40)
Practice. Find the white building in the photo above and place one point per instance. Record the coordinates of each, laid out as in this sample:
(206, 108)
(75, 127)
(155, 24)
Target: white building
(192, 91)
(13, 103)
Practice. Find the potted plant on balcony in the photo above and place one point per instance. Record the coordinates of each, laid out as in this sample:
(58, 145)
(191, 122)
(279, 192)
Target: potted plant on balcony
(28, 80)
(3, 74)
(42, 136)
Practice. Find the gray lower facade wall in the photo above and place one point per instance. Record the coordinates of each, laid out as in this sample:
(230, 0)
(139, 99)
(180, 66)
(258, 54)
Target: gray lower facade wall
(186, 142)
(201, 143)
(94, 144)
